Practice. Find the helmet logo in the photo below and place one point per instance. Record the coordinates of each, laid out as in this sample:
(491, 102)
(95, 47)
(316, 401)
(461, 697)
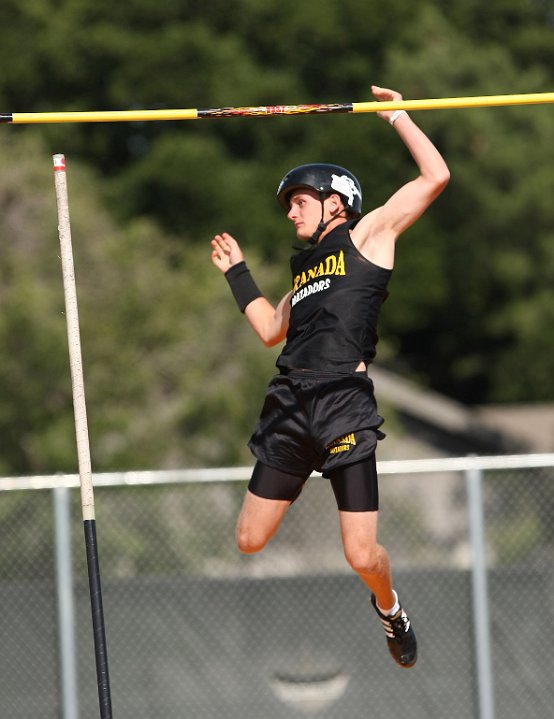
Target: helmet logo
(344, 185)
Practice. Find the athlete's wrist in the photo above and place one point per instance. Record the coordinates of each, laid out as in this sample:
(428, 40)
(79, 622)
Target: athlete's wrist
(395, 115)
(242, 285)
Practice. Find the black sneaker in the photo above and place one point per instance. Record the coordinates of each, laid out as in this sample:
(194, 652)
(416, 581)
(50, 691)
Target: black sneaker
(401, 638)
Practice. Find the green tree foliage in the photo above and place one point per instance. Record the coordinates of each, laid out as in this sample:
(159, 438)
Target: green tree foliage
(161, 387)
(480, 329)
(169, 362)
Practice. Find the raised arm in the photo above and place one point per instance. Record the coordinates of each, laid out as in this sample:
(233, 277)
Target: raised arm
(376, 233)
(268, 322)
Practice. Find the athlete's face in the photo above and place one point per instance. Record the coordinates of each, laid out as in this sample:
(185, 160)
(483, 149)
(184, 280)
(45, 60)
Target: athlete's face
(305, 211)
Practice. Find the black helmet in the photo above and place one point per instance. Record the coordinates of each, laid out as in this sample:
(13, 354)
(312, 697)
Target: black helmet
(325, 179)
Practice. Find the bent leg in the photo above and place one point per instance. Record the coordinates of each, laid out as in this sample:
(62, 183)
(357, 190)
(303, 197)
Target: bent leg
(270, 493)
(258, 521)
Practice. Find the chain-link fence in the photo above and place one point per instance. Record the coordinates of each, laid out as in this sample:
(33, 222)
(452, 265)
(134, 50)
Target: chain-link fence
(197, 631)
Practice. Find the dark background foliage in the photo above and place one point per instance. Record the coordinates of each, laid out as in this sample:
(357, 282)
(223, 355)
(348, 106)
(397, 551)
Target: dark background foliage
(173, 374)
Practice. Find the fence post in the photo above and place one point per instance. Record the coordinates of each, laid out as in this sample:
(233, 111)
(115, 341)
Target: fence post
(65, 601)
(480, 594)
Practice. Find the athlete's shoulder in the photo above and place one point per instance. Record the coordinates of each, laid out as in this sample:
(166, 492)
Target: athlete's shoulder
(366, 225)
(375, 242)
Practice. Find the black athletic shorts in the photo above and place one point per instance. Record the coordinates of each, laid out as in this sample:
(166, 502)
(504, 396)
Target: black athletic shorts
(316, 421)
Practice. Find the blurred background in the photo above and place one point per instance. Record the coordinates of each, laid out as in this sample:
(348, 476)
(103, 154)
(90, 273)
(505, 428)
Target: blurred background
(172, 371)
(174, 376)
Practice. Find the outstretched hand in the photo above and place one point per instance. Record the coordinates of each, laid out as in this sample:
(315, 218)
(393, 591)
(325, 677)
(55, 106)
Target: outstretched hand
(383, 94)
(226, 252)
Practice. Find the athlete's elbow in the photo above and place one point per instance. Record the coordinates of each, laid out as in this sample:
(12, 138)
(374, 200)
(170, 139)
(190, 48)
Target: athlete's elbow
(441, 178)
(269, 338)
(270, 341)
(436, 183)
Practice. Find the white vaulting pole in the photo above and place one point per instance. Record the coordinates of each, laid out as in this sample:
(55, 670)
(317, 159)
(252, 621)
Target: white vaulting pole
(81, 430)
(74, 340)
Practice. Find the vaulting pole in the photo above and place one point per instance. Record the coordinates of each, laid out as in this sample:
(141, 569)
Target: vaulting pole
(443, 103)
(81, 431)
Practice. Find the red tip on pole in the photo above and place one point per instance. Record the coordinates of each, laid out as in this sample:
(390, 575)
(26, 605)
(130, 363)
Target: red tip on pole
(59, 163)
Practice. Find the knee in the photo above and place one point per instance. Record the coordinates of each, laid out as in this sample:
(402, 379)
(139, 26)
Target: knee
(366, 560)
(249, 542)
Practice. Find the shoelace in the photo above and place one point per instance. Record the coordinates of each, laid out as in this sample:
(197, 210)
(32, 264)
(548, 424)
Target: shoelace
(396, 627)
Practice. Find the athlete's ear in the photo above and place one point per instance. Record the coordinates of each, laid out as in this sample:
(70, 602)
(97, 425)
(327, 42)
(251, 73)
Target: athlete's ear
(336, 205)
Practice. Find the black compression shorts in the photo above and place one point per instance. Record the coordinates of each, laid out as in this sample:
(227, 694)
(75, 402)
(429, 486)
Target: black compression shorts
(355, 485)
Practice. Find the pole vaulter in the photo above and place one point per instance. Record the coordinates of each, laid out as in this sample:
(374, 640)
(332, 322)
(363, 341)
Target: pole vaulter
(85, 470)
(443, 103)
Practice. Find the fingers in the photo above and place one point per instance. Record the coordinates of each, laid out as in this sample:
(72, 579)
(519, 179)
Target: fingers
(225, 251)
(218, 252)
(384, 93)
(225, 242)
(222, 246)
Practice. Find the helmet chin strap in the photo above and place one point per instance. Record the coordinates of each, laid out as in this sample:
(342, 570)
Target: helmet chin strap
(314, 239)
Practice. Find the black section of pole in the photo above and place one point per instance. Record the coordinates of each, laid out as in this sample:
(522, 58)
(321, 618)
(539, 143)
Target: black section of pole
(274, 110)
(100, 646)
(6, 117)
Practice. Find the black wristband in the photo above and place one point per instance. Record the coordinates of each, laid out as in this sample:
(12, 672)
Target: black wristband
(242, 285)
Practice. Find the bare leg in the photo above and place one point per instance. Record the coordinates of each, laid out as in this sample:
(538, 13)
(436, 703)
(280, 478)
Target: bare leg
(368, 559)
(258, 521)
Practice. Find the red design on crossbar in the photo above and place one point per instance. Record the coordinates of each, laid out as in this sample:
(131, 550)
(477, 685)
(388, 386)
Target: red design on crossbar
(269, 110)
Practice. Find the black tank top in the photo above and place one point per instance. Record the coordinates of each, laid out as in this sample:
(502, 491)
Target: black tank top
(337, 296)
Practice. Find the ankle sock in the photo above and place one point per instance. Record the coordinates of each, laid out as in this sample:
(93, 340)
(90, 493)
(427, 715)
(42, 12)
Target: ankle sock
(393, 610)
